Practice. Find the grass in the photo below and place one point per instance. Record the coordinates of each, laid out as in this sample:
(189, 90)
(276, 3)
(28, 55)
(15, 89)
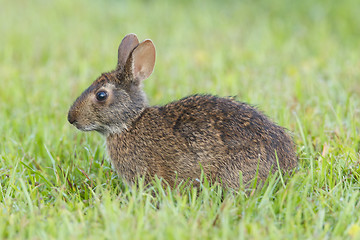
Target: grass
(298, 61)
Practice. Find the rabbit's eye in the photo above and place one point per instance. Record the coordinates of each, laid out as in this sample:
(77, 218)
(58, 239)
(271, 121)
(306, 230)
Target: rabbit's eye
(101, 96)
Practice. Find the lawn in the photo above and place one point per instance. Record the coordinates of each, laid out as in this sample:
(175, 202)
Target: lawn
(297, 61)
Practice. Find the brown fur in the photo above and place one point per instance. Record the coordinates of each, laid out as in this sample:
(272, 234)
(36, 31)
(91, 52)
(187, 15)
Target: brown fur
(219, 135)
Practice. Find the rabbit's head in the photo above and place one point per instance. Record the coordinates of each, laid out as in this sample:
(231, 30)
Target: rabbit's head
(116, 98)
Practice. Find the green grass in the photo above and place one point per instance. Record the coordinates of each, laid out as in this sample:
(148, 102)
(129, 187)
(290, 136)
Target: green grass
(298, 61)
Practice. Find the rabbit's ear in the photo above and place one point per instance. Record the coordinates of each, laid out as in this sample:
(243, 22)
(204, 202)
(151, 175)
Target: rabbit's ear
(128, 44)
(143, 60)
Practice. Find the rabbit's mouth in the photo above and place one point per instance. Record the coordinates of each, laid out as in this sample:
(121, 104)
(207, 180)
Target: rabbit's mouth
(84, 128)
(92, 127)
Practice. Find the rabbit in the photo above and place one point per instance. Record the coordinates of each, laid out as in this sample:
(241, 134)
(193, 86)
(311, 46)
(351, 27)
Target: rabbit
(220, 137)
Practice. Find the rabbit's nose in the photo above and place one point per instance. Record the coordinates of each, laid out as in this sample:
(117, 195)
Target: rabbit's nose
(71, 117)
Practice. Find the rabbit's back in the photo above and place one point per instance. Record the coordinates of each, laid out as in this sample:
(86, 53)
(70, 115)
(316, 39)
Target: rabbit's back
(220, 135)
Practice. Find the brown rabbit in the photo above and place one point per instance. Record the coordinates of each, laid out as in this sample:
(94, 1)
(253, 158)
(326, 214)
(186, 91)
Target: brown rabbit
(176, 141)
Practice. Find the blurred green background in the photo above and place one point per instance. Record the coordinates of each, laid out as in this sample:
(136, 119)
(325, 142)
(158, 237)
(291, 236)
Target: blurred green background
(297, 61)
(288, 58)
